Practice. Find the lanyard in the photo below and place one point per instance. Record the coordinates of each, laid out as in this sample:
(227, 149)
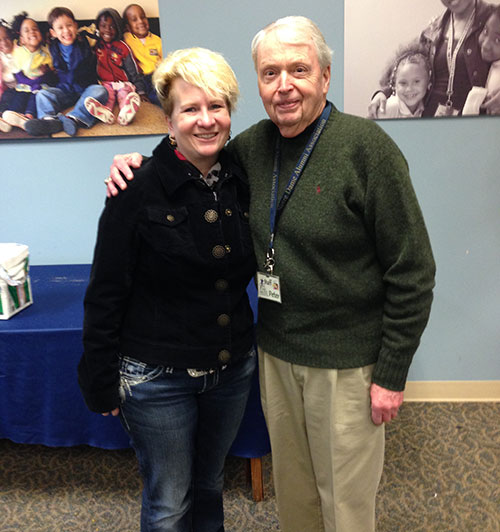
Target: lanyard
(451, 55)
(277, 208)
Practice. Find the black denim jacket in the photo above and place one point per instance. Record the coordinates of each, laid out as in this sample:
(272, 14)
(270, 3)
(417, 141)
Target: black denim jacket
(168, 283)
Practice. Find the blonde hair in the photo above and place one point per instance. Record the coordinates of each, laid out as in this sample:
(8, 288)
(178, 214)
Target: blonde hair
(200, 67)
(295, 29)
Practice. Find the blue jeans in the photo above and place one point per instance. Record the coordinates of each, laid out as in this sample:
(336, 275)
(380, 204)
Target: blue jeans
(18, 101)
(182, 428)
(150, 90)
(51, 101)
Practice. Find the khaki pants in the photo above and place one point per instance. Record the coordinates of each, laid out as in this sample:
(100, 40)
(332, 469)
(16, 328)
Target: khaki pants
(327, 454)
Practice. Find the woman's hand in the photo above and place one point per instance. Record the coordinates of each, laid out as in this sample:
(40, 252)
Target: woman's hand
(492, 104)
(377, 105)
(114, 412)
(122, 164)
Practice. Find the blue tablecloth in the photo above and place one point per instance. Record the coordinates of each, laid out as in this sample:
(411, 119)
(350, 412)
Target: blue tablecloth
(40, 402)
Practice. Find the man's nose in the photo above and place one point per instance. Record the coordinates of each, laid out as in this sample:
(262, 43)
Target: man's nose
(284, 82)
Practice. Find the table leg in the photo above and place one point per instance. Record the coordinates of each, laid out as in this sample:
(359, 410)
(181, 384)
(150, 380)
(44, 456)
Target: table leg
(257, 480)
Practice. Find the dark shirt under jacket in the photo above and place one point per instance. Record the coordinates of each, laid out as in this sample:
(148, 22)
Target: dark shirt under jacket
(471, 69)
(168, 284)
(80, 72)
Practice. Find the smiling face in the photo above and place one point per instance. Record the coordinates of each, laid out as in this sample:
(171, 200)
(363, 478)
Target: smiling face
(137, 21)
(292, 84)
(6, 43)
(489, 39)
(30, 35)
(411, 83)
(199, 122)
(107, 28)
(65, 29)
(458, 7)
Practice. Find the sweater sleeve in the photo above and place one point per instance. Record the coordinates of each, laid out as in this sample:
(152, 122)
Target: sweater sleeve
(394, 218)
(106, 298)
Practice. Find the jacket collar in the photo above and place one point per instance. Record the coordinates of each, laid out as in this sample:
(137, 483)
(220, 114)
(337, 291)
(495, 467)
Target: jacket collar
(175, 172)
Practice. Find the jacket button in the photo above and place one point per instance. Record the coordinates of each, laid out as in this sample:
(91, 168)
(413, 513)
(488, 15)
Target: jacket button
(228, 248)
(223, 320)
(170, 217)
(246, 215)
(228, 212)
(224, 356)
(469, 51)
(474, 74)
(211, 216)
(218, 251)
(221, 285)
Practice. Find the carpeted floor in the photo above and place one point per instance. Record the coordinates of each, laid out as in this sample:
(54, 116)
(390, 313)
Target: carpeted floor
(442, 474)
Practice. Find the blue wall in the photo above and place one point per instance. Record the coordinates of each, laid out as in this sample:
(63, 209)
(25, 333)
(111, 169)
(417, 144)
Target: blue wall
(52, 193)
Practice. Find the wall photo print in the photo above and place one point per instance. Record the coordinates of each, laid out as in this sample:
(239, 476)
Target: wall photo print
(422, 58)
(79, 69)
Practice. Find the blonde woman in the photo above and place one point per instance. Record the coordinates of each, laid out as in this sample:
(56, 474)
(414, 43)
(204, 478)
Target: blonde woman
(168, 332)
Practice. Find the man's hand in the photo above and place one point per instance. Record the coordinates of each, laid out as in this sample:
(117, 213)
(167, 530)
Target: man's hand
(114, 412)
(377, 105)
(385, 404)
(492, 104)
(122, 164)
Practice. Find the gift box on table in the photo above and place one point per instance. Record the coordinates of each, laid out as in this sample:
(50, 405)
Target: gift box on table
(15, 284)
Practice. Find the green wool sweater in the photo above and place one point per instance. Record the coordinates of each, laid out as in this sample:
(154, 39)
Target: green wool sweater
(351, 248)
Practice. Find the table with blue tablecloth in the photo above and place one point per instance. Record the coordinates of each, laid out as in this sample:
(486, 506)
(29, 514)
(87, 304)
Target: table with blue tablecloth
(40, 402)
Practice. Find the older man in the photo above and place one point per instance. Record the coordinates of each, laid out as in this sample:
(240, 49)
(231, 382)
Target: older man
(345, 283)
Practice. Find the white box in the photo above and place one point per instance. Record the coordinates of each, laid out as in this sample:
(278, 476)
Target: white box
(15, 283)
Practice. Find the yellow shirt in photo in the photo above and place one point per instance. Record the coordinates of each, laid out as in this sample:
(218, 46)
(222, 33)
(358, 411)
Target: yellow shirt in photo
(147, 51)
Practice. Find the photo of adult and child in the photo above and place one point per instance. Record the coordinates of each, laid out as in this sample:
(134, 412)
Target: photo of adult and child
(422, 58)
(79, 69)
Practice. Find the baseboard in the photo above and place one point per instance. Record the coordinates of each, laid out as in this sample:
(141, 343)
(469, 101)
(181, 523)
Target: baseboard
(453, 391)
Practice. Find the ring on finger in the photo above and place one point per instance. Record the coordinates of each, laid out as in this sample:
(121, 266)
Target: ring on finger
(107, 180)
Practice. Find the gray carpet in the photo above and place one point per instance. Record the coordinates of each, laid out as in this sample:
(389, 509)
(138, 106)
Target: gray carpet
(442, 474)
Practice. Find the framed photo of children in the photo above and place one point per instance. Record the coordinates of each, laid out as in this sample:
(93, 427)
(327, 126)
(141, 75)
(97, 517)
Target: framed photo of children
(79, 69)
(422, 58)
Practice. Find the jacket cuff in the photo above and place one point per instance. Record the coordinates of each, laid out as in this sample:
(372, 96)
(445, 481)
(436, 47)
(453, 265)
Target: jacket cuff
(102, 402)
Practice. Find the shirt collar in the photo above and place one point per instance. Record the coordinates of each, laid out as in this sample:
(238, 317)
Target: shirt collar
(174, 170)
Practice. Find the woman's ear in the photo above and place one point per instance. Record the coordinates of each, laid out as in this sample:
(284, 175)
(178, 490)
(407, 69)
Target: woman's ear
(169, 125)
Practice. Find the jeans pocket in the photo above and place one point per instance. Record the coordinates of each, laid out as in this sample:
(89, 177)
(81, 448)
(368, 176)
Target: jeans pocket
(247, 364)
(134, 372)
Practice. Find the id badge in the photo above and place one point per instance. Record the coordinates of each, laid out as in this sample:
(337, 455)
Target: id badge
(268, 287)
(445, 110)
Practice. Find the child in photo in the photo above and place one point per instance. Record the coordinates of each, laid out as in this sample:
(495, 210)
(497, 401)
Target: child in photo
(145, 46)
(117, 71)
(7, 78)
(489, 41)
(1, 82)
(75, 64)
(32, 69)
(409, 77)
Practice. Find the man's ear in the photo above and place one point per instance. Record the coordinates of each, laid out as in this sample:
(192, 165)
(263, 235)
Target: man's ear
(327, 75)
(52, 33)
